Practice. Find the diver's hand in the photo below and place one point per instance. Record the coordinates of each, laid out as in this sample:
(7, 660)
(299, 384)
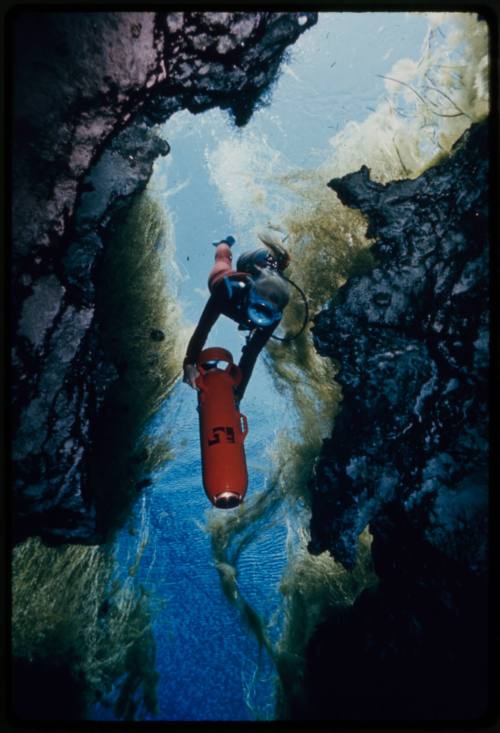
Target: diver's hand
(191, 374)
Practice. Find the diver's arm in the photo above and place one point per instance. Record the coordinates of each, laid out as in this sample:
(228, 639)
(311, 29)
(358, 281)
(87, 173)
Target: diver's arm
(249, 356)
(207, 319)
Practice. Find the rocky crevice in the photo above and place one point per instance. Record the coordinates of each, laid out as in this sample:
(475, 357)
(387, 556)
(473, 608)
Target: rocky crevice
(412, 341)
(88, 89)
(409, 453)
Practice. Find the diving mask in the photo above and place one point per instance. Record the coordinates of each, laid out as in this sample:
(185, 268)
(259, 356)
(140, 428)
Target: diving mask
(262, 312)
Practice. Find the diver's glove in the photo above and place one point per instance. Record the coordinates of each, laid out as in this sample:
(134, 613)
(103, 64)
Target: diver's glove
(229, 240)
(191, 374)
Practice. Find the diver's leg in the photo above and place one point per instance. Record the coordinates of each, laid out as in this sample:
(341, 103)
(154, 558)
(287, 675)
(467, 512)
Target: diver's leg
(222, 265)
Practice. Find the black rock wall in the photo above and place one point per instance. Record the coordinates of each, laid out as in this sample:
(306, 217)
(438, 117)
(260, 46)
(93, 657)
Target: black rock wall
(412, 340)
(409, 454)
(87, 89)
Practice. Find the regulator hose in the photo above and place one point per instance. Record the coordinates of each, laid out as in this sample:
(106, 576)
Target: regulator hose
(306, 313)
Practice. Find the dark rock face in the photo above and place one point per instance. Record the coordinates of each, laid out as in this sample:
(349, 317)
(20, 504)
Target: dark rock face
(412, 340)
(409, 453)
(88, 87)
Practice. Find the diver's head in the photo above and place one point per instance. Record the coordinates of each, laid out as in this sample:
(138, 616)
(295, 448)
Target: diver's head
(267, 298)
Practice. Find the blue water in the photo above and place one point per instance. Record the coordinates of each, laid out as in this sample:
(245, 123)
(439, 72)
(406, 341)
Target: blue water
(206, 651)
(210, 665)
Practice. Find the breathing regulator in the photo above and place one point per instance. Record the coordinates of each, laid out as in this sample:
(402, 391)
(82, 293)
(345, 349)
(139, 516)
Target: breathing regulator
(255, 305)
(305, 321)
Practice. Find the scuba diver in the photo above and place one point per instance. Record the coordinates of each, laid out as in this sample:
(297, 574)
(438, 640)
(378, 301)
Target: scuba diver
(254, 295)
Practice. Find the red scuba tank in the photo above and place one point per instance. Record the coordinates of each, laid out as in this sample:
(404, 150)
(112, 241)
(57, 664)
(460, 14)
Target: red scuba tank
(222, 430)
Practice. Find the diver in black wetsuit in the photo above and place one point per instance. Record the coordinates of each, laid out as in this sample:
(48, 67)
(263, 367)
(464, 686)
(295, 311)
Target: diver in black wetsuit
(254, 295)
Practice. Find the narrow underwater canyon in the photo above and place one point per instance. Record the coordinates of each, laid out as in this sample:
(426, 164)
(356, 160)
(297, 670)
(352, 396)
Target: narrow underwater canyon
(66, 118)
(408, 456)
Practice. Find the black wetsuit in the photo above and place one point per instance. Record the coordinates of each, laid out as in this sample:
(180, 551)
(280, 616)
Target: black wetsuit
(229, 298)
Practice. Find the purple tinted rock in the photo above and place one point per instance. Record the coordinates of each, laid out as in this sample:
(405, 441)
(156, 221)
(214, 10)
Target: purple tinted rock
(40, 309)
(88, 88)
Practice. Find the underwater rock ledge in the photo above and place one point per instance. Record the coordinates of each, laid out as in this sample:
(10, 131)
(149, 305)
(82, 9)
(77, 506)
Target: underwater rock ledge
(412, 341)
(409, 453)
(88, 87)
